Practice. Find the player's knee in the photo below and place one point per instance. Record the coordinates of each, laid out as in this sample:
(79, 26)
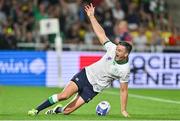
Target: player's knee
(63, 96)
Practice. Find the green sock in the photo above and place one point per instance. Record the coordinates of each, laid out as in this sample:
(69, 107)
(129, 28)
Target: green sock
(49, 102)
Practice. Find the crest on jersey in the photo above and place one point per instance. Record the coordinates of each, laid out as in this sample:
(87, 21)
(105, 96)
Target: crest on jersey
(109, 58)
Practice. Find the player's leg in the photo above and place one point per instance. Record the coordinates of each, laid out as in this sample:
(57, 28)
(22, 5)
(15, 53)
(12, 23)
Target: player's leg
(73, 105)
(77, 102)
(68, 91)
(124, 98)
(85, 94)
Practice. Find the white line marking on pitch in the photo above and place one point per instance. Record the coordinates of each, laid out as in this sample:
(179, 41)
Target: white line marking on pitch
(146, 98)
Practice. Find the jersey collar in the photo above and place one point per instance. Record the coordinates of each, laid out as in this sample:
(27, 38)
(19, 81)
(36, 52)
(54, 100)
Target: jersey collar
(121, 62)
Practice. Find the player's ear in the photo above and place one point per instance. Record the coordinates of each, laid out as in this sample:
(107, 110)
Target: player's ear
(126, 54)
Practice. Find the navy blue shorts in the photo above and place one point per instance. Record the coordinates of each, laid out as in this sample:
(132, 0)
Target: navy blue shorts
(85, 89)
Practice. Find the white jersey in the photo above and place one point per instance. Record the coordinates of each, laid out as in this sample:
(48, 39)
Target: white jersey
(103, 72)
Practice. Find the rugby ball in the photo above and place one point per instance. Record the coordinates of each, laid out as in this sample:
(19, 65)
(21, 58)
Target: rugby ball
(103, 108)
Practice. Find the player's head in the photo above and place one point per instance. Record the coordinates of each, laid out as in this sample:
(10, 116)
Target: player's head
(123, 50)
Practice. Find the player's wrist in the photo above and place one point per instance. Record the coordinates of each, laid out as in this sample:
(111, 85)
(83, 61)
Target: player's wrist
(123, 111)
(91, 15)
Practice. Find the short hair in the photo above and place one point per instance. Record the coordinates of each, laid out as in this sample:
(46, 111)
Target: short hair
(127, 45)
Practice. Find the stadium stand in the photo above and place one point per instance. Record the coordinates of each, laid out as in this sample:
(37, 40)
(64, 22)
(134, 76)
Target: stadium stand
(150, 24)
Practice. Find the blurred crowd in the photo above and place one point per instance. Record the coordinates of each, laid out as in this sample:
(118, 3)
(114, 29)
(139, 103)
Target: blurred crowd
(148, 22)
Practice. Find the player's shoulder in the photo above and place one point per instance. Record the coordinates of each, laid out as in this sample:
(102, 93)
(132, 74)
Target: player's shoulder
(109, 42)
(125, 67)
(109, 45)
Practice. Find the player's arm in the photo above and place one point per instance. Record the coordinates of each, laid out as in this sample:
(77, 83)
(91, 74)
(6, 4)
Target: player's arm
(99, 31)
(124, 98)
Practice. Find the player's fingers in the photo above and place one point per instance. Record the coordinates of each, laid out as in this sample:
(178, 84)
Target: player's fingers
(85, 8)
(125, 114)
(88, 7)
(91, 5)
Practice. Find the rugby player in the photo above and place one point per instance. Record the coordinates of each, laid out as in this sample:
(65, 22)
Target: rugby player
(93, 79)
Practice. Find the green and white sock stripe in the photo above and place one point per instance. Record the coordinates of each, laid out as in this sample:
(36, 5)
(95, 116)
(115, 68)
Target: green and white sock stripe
(53, 99)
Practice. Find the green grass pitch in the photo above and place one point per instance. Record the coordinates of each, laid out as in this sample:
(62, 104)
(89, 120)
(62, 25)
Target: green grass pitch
(143, 104)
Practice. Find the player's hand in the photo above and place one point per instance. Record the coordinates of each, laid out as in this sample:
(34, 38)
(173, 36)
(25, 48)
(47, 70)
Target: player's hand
(125, 114)
(89, 10)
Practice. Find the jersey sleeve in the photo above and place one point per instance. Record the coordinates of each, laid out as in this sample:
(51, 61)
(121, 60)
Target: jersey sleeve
(125, 77)
(109, 46)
